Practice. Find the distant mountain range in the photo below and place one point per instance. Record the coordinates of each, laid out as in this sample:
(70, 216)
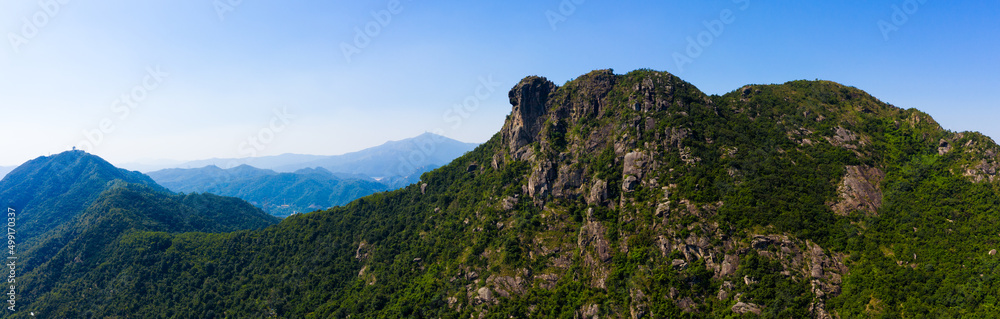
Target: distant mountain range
(146, 166)
(280, 194)
(293, 183)
(394, 158)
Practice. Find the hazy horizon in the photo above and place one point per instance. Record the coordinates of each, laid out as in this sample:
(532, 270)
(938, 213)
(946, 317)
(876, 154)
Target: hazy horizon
(172, 163)
(196, 80)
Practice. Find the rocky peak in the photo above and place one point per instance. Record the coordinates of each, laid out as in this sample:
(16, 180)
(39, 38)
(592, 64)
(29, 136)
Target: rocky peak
(529, 99)
(590, 92)
(536, 99)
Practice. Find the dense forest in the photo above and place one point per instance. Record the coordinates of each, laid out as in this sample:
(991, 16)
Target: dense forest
(632, 195)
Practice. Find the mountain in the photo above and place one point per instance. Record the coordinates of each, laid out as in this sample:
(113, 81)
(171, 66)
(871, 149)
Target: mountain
(57, 199)
(265, 162)
(392, 159)
(280, 194)
(632, 195)
(200, 179)
(50, 190)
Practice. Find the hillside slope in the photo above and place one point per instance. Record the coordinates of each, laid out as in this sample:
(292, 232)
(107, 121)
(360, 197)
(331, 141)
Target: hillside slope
(50, 190)
(124, 209)
(56, 200)
(629, 195)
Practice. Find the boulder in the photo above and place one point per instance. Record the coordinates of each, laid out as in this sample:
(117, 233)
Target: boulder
(598, 193)
(743, 307)
(630, 183)
(859, 190)
(729, 264)
(484, 295)
(635, 164)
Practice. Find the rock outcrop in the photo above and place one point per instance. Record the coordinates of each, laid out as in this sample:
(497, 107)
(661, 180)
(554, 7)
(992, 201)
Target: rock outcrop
(529, 99)
(860, 189)
(743, 307)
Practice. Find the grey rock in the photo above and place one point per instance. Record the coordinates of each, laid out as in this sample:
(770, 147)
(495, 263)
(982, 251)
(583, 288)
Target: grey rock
(529, 99)
(508, 203)
(743, 307)
(630, 183)
(538, 182)
(589, 312)
(484, 295)
(687, 305)
(729, 265)
(859, 190)
(598, 193)
(635, 164)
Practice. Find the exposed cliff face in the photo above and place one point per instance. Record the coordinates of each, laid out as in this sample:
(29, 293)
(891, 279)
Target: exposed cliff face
(860, 190)
(541, 110)
(529, 99)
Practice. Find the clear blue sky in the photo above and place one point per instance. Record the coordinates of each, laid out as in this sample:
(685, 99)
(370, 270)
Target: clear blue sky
(222, 79)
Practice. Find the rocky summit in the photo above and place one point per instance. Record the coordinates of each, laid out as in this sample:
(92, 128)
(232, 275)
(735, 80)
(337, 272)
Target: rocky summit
(616, 196)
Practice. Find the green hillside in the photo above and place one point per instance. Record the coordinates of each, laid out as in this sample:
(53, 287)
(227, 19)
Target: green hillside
(50, 190)
(617, 196)
(70, 206)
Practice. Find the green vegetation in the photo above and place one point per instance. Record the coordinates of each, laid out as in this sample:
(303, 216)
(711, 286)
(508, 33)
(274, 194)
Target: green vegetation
(50, 191)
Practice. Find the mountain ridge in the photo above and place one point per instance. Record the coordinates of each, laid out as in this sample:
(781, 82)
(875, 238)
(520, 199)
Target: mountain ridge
(427, 149)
